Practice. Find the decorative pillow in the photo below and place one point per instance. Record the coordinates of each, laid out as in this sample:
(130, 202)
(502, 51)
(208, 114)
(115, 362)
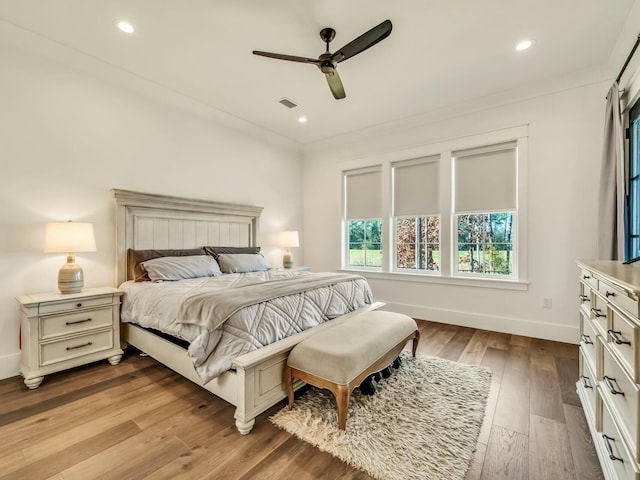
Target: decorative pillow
(178, 268)
(136, 257)
(242, 262)
(215, 251)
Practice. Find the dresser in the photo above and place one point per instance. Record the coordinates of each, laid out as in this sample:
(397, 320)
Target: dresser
(609, 383)
(61, 331)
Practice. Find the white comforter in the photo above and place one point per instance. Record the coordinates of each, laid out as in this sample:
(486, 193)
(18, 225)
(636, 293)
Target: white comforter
(156, 305)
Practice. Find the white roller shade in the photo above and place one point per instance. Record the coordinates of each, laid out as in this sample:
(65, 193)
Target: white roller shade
(416, 188)
(485, 179)
(363, 193)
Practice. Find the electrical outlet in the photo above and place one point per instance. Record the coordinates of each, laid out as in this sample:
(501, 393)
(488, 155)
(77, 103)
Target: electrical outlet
(546, 302)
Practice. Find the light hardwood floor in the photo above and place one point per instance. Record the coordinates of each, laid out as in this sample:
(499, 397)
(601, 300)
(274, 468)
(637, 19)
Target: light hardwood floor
(140, 420)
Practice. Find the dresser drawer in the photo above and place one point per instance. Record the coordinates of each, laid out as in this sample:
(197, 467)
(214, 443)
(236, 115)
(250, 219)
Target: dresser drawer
(70, 305)
(584, 297)
(58, 325)
(74, 347)
(588, 337)
(587, 385)
(621, 393)
(587, 277)
(622, 339)
(618, 297)
(599, 313)
(615, 453)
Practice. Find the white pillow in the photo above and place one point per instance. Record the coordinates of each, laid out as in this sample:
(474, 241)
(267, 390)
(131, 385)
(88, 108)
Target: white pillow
(242, 262)
(178, 268)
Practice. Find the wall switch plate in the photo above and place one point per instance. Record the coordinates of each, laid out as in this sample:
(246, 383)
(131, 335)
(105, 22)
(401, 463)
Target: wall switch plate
(546, 302)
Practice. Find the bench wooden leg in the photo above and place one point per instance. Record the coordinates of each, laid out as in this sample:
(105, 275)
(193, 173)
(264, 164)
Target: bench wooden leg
(416, 339)
(288, 379)
(342, 395)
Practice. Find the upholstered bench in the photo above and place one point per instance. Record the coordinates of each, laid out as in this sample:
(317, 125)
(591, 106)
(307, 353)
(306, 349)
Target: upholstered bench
(341, 357)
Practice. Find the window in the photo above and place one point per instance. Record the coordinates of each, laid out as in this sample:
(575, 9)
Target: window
(454, 212)
(363, 217)
(416, 214)
(485, 209)
(632, 236)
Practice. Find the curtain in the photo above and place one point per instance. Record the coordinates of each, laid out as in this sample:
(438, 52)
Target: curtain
(611, 200)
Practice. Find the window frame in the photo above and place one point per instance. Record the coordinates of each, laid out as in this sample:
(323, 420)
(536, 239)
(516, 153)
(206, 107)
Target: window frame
(632, 200)
(518, 281)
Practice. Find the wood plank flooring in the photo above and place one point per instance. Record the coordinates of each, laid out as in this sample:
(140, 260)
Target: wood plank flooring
(140, 420)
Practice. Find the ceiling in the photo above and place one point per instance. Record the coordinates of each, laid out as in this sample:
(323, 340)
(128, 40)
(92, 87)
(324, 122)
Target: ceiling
(439, 54)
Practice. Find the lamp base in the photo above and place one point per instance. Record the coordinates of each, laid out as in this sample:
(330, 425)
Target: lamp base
(287, 259)
(70, 277)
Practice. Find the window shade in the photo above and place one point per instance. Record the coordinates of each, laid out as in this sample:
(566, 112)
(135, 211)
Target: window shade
(485, 179)
(416, 188)
(363, 193)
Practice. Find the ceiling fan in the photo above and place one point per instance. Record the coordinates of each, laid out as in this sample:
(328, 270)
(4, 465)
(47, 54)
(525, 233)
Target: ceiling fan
(328, 62)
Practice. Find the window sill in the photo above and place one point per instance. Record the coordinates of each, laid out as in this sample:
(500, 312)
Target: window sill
(442, 280)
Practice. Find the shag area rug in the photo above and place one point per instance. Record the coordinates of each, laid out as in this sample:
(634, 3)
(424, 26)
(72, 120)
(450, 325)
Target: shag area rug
(422, 423)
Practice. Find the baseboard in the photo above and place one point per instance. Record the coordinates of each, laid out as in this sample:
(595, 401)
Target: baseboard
(513, 326)
(9, 365)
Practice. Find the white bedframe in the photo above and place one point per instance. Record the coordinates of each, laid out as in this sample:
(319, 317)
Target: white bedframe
(145, 221)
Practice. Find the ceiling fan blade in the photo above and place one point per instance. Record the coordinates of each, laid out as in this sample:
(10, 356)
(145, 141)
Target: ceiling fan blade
(335, 84)
(364, 41)
(291, 58)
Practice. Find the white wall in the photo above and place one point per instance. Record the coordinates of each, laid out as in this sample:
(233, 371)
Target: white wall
(66, 139)
(565, 137)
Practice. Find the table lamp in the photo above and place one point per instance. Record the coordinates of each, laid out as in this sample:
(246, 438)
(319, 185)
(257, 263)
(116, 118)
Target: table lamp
(288, 239)
(70, 237)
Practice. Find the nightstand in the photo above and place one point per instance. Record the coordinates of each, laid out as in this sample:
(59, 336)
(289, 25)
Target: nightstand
(61, 331)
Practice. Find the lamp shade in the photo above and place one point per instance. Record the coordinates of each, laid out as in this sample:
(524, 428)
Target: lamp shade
(69, 237)
(289, 238)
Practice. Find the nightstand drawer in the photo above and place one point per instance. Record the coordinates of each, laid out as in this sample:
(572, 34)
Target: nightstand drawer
(71, 304)
(74, 347)
(57, 325)
(622, 338)
(622, 394)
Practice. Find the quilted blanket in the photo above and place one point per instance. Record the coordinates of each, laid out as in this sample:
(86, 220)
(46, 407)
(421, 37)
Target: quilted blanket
(158, 305)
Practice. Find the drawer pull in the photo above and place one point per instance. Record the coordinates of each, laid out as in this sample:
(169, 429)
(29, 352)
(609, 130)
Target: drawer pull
(78, 321)
(597, 312)
(586, 339)
(615, 335)
(585, 381)
(583, 298)
(80, 346)
(609, 381)
(608, 439)
(609, 294)
(78, 305)
(586, 277)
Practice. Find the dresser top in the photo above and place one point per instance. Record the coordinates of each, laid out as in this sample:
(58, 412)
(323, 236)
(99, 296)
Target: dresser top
(616, 272)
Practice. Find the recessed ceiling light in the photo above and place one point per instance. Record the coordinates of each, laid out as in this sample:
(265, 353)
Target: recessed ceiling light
(126, 27)
(302, 119)
(524, 44)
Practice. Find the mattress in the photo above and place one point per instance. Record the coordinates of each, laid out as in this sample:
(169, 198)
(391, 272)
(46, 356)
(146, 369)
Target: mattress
(159, 305)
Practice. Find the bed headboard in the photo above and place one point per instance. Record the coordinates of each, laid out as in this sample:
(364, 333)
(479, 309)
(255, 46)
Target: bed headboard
(148, 221)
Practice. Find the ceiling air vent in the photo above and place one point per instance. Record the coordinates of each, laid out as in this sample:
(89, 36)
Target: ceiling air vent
(287, 102)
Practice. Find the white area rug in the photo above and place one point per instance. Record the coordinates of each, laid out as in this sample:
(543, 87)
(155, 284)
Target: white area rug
(422, 423)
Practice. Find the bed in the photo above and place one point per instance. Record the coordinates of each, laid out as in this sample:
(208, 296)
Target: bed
(145, 222)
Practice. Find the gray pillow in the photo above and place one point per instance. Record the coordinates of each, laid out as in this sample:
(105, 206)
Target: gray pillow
(242, 262)
(178, 268)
